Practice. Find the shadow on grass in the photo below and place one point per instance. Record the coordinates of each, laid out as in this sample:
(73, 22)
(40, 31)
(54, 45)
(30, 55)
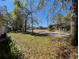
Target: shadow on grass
(8, 50)
(35, 34)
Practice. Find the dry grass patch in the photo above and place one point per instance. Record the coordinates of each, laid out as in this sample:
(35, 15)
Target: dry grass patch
(42, 47)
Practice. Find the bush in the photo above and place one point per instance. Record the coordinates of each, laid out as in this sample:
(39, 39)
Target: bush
(8, 49)
(50, 27)
(15, 53)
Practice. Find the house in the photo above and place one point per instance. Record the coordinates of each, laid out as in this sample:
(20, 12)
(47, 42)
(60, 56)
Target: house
(62, 26)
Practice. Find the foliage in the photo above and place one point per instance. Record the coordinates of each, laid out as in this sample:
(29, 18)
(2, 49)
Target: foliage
(14, 50)
(50, 27)
(41, 27)
(25, 4)
(17, 3)
(56, 6)
(17, 16)
(10, 49)
(40, 4)
(1, 20)
(59, 18)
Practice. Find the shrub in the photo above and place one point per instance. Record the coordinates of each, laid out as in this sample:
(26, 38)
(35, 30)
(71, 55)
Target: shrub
(8, 49)
(15, 53)
(50, 27)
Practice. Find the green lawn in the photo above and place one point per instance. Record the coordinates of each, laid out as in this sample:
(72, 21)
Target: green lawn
(38, 47)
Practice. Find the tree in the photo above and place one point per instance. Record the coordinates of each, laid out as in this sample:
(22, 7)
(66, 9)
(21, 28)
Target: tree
(50, 27)
(74, 21)
(21, 14)
(41, 4)
(17, 22)
(5, 18)
(59, 19)
(21, 11)
(34, 8)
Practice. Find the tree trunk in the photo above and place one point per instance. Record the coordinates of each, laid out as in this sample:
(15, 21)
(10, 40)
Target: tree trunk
(74, 32)
(32, 23)
(74, 24)
(25, 25)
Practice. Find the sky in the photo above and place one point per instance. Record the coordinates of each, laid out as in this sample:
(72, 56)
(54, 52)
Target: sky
(42, 14)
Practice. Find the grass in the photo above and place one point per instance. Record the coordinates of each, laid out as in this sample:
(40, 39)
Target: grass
(33, 46)
(39, 47)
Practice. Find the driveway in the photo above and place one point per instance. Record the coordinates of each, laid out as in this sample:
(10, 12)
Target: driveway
(54, 34)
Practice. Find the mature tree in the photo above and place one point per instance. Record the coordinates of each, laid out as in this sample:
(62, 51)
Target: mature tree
(34, 9)
(59, 18)
(74, 21)
(17, 22)
(22, 12)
